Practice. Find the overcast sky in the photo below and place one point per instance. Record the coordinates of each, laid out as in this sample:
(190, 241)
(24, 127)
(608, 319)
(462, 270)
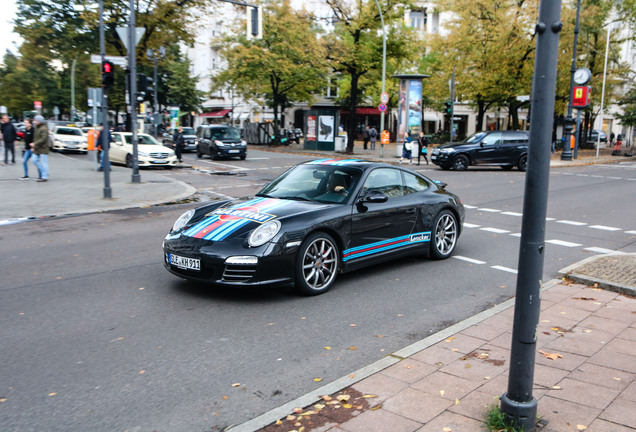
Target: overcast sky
(7, 37)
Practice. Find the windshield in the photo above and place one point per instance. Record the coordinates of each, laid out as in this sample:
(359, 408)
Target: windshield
(475, 138)
(320, 183)
(68, 131)
(143, 139)
(225, 133)
(188, 131)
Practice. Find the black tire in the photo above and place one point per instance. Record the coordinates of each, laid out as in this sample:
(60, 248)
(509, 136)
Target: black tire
(317, 264)
(444, 235)
(214, 155)
(243, 157)
(461, 162)
(129, 161)
(199, 154)
(523, 163)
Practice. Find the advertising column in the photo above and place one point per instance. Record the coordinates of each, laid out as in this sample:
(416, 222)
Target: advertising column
(409, 108)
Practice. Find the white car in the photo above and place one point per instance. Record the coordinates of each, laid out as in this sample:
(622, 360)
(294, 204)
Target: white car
(68, 138)
(149, 151)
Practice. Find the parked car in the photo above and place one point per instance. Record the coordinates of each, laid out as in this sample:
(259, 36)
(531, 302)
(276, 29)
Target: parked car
(506, 149)
(318, 219)
(220, 141)
(149, 151)
(68, 138)
(594, 136)
(189, 136)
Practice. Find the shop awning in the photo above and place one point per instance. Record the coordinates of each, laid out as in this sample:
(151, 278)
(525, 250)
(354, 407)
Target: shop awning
(220, 113)
(363, 111)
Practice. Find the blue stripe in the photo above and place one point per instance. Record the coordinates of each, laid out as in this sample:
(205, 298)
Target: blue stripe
(223, 232)
(193, 230)
(420, 237)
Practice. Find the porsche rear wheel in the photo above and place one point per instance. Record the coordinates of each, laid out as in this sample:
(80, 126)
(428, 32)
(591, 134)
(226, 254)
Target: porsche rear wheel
(445, 234)
(317, 264)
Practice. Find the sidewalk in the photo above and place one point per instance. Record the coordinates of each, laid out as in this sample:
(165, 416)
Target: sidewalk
(75, 187)
(584, 373)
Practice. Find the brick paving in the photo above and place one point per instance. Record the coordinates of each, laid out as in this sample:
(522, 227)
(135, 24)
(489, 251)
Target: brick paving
(584, 376)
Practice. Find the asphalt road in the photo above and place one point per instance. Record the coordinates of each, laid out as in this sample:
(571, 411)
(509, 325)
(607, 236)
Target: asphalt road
(97, 336)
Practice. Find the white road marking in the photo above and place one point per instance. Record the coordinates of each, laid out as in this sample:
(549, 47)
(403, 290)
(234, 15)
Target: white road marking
(516, 234)
(563, 243)
(569, 222)
(512, 213)
(506, 269)
(489, 210)
(606, 228)
(218, 194)
(469, 206)
(495, 230)
(470, 260)
(469, 225)
(597, 176)
(241, 185)
(583, 175)
(599, 250)
(549, 219)
(615, 178)
(626, 232)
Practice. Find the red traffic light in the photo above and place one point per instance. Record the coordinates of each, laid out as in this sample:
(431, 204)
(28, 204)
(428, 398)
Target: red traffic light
(108, 75)
(108, 67)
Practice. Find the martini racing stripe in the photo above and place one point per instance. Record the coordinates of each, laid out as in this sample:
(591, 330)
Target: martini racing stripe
(336, 162)
(206, 224)
(224, 231)
(385, 245)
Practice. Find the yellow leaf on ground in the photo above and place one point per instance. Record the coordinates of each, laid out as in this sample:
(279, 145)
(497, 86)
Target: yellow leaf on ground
(52, 394)
(236, 385)
(380, 336)
(298, 410)
(291, 417)
(317, 379)
(442, 392)
(450, 339)
(327, 348)
(279, 422)
(352, 348)
(326, 398)
(347, 406)
(581, 427)
(3, 400)
(551, 356)
(368, 396)
(456, 401)
(225, 397)
(343, 398)
(447, 429)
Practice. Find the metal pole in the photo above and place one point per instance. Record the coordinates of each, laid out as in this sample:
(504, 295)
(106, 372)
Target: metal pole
(452, 105)
(103, 137)
(383, 75)
(73, 88)
(577, 136)
(598, 139)
(518, 404)
(156, 107)
(132, 63)
(566, 154)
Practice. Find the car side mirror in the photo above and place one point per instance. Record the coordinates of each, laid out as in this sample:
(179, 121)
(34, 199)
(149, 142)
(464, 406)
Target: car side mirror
(374, 196)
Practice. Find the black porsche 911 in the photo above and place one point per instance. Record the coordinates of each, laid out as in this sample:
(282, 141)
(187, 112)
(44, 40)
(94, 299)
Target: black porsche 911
(316, 220)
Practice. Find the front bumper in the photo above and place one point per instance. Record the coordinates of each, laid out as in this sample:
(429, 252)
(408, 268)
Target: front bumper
(70, 146)
(152, 161)
(441, 159)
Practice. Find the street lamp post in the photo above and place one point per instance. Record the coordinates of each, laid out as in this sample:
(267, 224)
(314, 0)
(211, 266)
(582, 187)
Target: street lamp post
(383, 75)
(566, 154)
(598, 139)
(103, 138)
(155, 109)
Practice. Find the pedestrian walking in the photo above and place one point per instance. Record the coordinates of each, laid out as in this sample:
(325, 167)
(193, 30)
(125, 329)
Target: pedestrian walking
(41, 148)
(179, 143)
(617, 146)
(407, 148)
(365, 137)
(27, 153)
(373, 135)
(422, 148)
(9, 135)
(612, 136)
(102, 145)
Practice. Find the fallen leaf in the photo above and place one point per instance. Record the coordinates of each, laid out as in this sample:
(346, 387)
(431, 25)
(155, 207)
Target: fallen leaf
(616, 379)
(3, 399)
(581, 427)
(587, 331)
(298, 410)
(556, 388)
(52, 394)
(352, 325)
(380, 336)
(327, 348)
(352, 375)
(348, 406)
(352, 348)
(551, 356)
(326, 398)
(343, 398)
(317, 379)
(291, 417)
(450, 339)
(303, 317)
(486, 378)
(439, 364)
(456, 401)
(236, 385)
(468, 366)
(400, 315)
(225, 397)
(375, 407)
(454, 350)
(369, 396)
(442, 392)
(278, 422)
(319, 406)
(141, 372)
(447, 429)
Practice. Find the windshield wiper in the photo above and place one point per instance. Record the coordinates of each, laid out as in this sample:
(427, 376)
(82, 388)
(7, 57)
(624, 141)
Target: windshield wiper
(295, 198)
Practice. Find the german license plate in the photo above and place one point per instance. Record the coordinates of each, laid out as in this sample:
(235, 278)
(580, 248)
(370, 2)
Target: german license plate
(185, 262)
(433, 157)
(233, 151)
(159, 161)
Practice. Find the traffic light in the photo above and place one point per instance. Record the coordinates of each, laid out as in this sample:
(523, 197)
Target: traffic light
(448, 107)
(142, 87)
(150, 88)
(108, 74)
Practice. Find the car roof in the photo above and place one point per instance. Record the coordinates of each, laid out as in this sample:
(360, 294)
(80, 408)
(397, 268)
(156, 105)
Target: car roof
(355, 163)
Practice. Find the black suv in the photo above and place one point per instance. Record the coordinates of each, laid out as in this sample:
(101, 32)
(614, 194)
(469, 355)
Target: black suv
(220, 141)
(501, 148)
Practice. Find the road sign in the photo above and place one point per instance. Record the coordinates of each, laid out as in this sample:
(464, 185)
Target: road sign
(581, 96)
(122, 32)
(37, 104)
(382, 107)
(118, 60)
(384, 97)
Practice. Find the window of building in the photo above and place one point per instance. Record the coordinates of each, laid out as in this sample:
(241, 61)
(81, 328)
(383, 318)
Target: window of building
(332, 88)
(418, 19)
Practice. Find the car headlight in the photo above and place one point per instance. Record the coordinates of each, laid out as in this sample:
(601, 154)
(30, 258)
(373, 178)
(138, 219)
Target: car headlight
(244, 143)
(447, 150)
(219, 143)
(183, 220)
(264, 233)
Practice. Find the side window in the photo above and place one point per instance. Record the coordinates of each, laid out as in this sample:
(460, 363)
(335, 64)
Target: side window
(413, 183)
(515, 138)
(492, 139)
(117, 139)
(386, 180)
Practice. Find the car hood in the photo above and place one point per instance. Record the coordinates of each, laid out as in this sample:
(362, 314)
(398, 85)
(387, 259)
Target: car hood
(456, 144)
(239, 217)
(151, 148)
(70, 137)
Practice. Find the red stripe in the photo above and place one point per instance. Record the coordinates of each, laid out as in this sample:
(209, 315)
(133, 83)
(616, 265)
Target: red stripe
(329, 162)
(207, 229)
(375, 247)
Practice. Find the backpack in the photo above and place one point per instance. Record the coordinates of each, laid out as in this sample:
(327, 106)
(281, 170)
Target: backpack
(373, 133)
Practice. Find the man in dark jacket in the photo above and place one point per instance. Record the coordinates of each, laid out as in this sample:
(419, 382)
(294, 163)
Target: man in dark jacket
(28, 147)
(9, 135)
(41, 147)
(179, 142)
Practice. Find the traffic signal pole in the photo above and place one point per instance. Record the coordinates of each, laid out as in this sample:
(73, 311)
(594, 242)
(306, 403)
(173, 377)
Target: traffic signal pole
(108, 193)
(132, 64)
(518, 404)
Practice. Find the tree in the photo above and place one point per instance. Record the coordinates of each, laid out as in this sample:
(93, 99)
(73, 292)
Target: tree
(355, 48)
(287, 65)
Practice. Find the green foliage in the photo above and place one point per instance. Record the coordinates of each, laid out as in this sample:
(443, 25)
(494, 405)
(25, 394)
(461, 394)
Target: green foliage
(287, 65)
(628, 103)
(496, 421)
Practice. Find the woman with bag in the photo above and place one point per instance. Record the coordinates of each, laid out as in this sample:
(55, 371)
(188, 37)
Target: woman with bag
(407, 148)
(28, 148)
(422, 144)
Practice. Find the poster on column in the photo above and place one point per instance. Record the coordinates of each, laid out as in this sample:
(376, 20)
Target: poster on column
(415, 106)
(325, 128)
(311, 128)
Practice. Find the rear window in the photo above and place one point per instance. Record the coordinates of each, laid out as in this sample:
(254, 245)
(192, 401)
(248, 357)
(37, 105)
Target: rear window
(225, 133)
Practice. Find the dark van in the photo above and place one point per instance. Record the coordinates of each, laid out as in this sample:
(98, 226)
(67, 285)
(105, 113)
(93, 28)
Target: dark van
(506, 149)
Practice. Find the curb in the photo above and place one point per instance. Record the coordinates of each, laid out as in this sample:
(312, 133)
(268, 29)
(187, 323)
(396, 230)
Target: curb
(339, 384)
(570, 272)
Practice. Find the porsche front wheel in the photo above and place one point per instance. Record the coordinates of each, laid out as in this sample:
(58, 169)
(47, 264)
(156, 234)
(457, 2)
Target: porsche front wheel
(445, 234)
(317, 264)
